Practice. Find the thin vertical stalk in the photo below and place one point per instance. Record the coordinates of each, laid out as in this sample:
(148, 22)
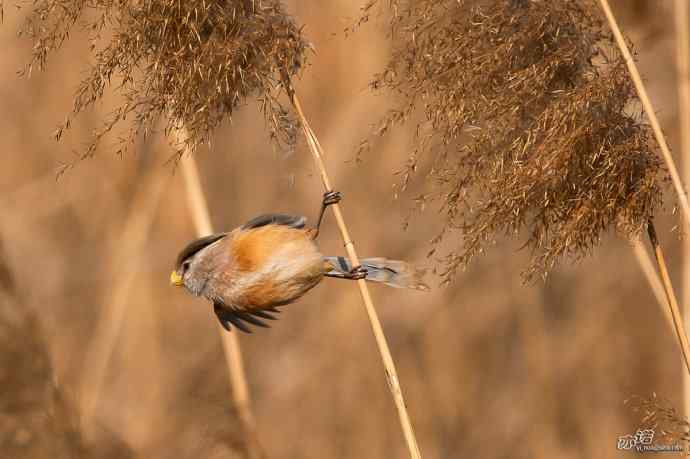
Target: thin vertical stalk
(650, 273)
(231, 345)
(670, 295)
(388, 363)
(683, 82)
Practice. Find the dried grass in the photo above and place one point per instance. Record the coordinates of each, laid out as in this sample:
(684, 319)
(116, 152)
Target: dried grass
(659, 414)
(187, 62)
(648, 109)
(533, 123)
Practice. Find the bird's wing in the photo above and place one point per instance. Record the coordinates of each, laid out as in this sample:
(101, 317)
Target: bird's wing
(293, 221)
(241, 319)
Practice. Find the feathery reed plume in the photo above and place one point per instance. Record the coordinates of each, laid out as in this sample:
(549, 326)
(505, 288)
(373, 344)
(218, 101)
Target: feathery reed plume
(386, 357)
(192, 62)
(683, 77)
(658, 414)
(648, 108)
(530, 115)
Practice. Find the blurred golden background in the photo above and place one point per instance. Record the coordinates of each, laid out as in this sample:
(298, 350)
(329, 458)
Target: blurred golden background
(490, 368)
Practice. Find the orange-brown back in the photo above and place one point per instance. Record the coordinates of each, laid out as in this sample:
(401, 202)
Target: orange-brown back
(252, 248)
(282, 263)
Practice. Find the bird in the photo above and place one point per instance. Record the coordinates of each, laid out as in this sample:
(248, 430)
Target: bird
(271, 261)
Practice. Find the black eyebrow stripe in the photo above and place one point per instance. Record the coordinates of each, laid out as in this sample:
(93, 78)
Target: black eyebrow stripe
(196, 245)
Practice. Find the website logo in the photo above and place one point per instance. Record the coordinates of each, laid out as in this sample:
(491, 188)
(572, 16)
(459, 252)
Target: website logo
(642, 441)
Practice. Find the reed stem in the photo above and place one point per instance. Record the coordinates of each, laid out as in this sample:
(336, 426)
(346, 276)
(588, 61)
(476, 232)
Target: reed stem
(670, 295)
(231, 345)
(388, 363)
(650, 273)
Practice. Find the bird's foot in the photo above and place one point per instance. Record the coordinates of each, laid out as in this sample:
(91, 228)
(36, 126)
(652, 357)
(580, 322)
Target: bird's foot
(358, 272)
(332, 197)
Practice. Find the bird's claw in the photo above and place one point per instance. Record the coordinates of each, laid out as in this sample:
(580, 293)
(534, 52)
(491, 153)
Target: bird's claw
(358, 272)
(332, 197)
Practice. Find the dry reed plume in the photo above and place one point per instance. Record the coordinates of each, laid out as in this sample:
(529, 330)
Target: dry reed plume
(533, 122)
(657, 413)
(187, 62)
(532, 111)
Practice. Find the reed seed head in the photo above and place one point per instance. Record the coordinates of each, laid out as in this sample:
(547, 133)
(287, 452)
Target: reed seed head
(190, 63)
(659, 414)
(533, 122)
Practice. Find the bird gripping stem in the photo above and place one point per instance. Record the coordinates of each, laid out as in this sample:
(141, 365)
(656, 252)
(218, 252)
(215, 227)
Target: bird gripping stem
(377, 329)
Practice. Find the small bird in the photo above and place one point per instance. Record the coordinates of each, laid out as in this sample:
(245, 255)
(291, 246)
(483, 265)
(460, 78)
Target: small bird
(270, 261)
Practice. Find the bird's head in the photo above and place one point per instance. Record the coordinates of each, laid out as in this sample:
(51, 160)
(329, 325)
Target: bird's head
(190, 262)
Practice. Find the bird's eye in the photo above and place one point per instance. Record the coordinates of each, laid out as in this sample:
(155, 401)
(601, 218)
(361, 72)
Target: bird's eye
(185, 265)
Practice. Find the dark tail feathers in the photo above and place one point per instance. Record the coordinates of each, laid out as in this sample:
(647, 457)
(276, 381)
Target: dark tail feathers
(390, 272)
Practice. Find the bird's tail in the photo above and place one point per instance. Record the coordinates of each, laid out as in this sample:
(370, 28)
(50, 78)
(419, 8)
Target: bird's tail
(390, 272)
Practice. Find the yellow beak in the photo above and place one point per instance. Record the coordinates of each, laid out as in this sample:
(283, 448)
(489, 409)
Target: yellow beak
(175, 279)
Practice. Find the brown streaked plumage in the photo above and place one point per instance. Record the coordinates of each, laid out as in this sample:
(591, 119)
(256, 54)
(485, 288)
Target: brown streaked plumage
(268, 262)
